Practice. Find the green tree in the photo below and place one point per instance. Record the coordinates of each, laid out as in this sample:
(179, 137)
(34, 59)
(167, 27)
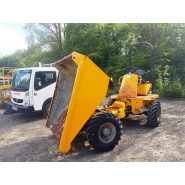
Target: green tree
(47, 35)
(107, 45)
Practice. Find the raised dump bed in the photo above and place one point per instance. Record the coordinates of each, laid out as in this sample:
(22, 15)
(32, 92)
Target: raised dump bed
(81, 86)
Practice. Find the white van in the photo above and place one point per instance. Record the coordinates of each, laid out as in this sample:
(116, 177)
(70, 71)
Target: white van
(32, 89)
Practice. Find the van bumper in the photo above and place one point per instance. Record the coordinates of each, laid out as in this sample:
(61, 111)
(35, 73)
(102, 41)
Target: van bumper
(21, 109)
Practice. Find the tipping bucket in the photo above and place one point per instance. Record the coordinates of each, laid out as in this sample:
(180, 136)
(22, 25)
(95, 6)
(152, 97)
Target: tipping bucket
(80, 88)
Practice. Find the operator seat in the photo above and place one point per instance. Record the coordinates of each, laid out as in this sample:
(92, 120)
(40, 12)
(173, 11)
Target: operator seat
(140, 73)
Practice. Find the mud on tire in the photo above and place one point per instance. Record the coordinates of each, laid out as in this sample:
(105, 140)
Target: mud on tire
(104, 131)
(154, 114)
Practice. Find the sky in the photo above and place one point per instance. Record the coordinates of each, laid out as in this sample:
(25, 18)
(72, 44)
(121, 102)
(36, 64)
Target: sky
(12, 38)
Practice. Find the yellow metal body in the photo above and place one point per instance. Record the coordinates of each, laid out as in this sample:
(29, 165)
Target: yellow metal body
(142, 89)
(128, 87)
(117, 108)
(84, 95)
(5, 83)
(80, 88)
(134, 94)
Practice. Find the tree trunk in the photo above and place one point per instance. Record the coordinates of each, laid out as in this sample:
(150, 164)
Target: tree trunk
(60, 40)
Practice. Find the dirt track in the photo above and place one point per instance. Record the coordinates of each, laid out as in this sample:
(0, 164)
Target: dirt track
(25, 138)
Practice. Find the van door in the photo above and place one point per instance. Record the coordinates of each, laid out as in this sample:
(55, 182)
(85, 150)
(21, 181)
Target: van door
(44, 89)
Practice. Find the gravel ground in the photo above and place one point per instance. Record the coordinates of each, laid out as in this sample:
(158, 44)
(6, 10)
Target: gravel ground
(25, 138)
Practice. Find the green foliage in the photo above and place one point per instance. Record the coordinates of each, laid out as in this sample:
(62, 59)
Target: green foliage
(29, 58)
(107, 45)
(46, 35)
(100, 42)
(174, 90)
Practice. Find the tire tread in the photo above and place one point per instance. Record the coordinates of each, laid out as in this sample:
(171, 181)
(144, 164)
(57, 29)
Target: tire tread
(92, 129)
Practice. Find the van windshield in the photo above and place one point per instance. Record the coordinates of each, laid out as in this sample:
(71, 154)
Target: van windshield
(21, 80)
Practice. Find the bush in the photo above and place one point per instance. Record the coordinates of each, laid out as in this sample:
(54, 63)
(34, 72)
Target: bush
(175, 90)
(112, 92)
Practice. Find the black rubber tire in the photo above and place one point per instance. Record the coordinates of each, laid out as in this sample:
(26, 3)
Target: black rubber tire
(154, 114)
(46, 109)
(111, 101)
(94, 131)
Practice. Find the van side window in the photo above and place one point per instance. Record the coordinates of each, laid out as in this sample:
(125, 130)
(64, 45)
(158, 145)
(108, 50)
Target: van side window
(46, 77)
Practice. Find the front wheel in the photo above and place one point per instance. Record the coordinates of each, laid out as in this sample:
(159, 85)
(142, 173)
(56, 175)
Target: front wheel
(104, 131)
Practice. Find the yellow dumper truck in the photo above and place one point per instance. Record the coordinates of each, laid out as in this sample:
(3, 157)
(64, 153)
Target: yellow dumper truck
(80, 88)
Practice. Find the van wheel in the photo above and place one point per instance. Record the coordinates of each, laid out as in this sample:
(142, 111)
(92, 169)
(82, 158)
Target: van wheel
(104, 131)
(46, 109)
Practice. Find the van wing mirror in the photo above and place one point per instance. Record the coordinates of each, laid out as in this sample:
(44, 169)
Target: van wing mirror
(37, 83)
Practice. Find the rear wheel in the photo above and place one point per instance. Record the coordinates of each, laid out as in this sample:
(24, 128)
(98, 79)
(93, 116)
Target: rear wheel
(46, 109)
(154, 114)
(104, 131)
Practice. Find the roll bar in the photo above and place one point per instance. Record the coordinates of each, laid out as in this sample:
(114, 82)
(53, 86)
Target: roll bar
(151, 58)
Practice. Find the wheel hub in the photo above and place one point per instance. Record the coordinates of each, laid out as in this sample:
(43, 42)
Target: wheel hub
(107, 132)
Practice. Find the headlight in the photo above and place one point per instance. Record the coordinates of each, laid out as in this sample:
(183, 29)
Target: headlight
(27, 99)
